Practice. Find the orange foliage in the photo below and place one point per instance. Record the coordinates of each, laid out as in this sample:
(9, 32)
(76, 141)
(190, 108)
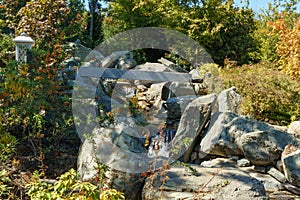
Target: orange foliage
(288, 46)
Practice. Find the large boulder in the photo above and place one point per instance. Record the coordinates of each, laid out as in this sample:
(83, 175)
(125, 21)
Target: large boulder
(226, 128)
(291, 164)
(264, 147)
(229, 101)
(203, 183)
(122, 149)
(192, 122)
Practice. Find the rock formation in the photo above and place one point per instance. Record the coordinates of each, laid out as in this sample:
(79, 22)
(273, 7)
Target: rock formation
(223, 154)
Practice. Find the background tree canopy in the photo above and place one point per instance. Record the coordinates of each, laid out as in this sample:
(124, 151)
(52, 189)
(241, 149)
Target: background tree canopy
(222, 28)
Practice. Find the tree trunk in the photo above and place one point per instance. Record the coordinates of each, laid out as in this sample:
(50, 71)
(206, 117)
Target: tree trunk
(92, 13)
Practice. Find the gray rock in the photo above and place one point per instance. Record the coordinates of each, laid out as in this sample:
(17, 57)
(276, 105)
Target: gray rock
(123, 150)
(171, 65)
(243, 162)
(200, 89)
(203, 183)
(218, 163)
(277, 174)
(195, 73)
(86, 161)
(197, 162)
(154, 93)
(176, 106)
(91, 63)
(83, 105)
(229, 101)
(223, 130)
(218, 140)
(94, 55)
(69, 71)
(294, 129)
(122, 92)
(261, 169)
(264, 147)
(131, 184)
(283, 195)
(292, 188)
(110, 142)
(280, 128)
(279, 166)
(77, 50)
(270, 183)
(126, 63)
(291, 167)
(122, 181)
(194, 156)
(152, 67)
(224, 134)
(112, 60)
(177, 89)
(193, 120)
(71, 62)
(235, 158)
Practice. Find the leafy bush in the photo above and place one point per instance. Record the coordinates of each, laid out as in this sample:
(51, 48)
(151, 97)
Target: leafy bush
(68, 187)
(268, 94)
(4, 179)
(7, 146)
(267, 41)
(6, 50)
(7, 163)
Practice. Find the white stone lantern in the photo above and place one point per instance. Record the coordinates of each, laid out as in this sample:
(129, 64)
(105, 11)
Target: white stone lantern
(23, 44)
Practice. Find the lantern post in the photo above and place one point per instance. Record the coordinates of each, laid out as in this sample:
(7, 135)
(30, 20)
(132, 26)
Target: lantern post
(23, 44)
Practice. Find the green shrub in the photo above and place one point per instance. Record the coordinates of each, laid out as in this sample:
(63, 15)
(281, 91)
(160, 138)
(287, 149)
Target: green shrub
(7, 146)
(268, 95)
(68, 187)
(4, 179)
(7, 151)
(6, 50)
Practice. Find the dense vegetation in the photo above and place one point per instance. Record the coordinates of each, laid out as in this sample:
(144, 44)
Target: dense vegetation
(259, 53)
